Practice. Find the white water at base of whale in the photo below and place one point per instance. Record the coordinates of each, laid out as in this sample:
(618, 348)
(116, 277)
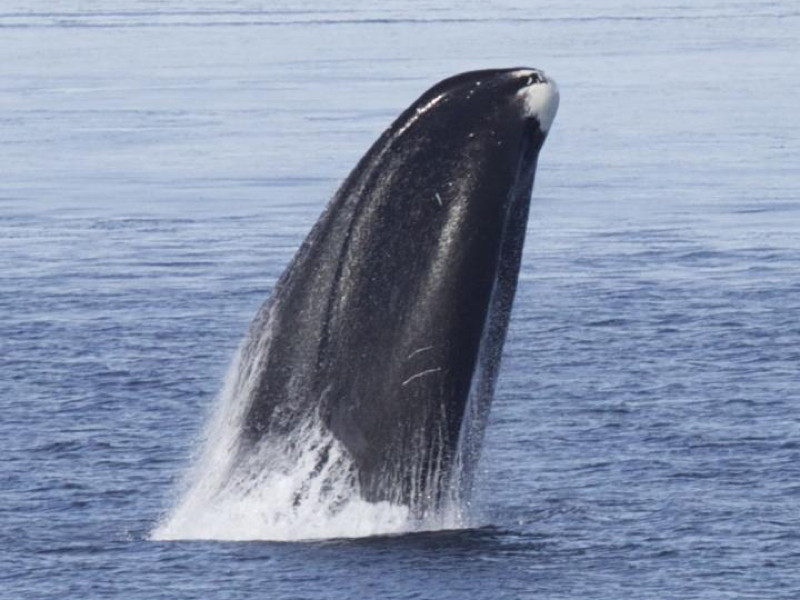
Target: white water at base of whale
(299, 488)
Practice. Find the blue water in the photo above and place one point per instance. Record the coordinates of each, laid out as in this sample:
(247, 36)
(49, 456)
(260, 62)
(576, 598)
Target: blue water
(160, 163)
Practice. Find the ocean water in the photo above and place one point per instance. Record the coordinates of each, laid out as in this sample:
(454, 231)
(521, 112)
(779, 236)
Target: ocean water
(160, 162)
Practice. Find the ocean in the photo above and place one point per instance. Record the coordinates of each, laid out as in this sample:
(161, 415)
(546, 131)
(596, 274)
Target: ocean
(160, 163)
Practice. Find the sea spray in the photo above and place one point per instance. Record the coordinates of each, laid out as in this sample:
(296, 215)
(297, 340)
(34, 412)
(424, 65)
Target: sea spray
(300, 486)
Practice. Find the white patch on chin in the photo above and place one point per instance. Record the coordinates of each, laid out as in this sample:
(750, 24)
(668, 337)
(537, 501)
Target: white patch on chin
(540, 99)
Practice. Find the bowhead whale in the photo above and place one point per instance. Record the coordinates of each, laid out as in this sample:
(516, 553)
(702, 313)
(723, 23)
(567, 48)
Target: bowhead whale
(387, 327)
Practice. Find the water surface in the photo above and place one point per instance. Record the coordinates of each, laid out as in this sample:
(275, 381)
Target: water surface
(160, 163)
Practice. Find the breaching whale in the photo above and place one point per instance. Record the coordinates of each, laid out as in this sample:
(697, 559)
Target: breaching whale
(387, 327)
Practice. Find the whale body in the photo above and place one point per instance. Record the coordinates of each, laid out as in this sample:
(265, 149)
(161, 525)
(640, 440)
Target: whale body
(387, 327)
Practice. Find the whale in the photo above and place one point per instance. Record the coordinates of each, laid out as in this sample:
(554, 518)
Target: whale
(387, 327)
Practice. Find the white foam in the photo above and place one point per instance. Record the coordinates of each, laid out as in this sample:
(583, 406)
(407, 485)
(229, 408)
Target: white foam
(280, 493)
(295, 487)
(540, 99)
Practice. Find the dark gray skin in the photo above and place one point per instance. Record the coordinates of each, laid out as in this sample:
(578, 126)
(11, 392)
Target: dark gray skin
(393, 313)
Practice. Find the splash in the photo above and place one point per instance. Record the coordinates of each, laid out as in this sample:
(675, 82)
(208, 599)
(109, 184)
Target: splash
(292, 488)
